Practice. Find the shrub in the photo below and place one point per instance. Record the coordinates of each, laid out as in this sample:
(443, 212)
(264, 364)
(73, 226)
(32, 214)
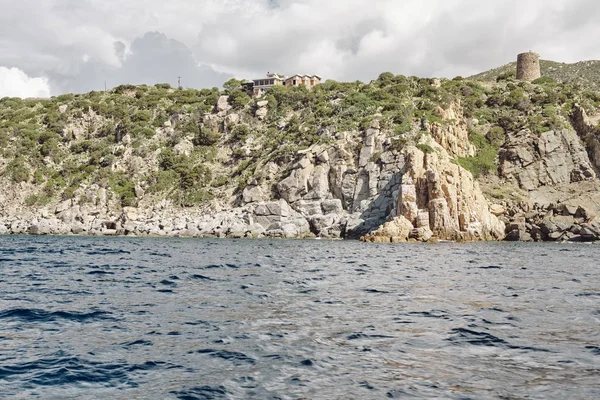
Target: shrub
(232, 84)
(206, 137)
(398, 144)
(506, 76)
(240, 132)
(198, 175)
(543, 80)
(238, 99)
(496, 136)
(17, 170)
(142, 132)
(425, 148)
(483, 163)
(124, 188)
(141, 117)
(40, 199)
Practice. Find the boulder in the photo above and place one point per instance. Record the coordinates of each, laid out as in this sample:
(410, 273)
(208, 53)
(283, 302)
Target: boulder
(398, 229)
(184, 147)
(261, 113)
(332, 206)
(253, 194)
(223, 104)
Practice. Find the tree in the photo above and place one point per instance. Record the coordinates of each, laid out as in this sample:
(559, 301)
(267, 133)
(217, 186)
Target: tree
(232, 84)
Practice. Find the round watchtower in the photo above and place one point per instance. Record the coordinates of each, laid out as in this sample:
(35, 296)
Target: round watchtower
(528, 67)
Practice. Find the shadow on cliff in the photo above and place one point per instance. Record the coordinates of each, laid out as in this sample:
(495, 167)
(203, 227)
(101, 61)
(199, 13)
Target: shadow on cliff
(382, 208)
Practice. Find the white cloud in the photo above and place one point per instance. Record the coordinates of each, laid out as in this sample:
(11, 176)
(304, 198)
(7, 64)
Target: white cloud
(16, 83)
(339, 39)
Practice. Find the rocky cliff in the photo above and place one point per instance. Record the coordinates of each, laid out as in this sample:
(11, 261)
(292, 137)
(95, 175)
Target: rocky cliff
(398, 159)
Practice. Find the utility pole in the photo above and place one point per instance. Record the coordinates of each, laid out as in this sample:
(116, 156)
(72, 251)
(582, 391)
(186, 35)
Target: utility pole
(178, 82)
(104, 86)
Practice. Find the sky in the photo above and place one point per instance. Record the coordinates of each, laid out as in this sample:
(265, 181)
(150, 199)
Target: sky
(51, 47)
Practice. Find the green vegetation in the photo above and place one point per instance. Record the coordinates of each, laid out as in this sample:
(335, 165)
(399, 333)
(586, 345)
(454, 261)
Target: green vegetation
(485, 158)
(160, 140)
(584, 74)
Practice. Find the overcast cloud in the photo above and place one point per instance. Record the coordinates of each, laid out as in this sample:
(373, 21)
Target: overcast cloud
(58, 46)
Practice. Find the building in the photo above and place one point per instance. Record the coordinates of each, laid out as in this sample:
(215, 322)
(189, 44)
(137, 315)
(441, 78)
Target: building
(258, 86)
(528, 67)
(310, 81)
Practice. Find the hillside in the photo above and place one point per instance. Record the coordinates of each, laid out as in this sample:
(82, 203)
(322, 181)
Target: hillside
(585, 74)
(336, 161)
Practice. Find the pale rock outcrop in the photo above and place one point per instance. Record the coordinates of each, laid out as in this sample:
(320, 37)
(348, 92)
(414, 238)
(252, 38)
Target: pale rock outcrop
(453, 134)
(396, 230)
(439, 198)
(261, 113)
(555, 157)
(184, 147)
(254, 194)
(588, 129)
(223, 105)
(295, 186)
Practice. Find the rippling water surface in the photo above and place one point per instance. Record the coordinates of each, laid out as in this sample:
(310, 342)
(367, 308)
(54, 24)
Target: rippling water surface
(96, 318)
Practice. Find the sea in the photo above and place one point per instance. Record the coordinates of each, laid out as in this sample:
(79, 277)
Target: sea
(158, 318)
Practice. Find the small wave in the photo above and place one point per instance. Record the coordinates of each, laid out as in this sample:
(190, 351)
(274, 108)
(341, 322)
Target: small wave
(100, 273)
(62, 369)
(430, 314)
(154, 253)
(357, 336)
(232, 356)
(203, 277)
(137, 343)
(38, 315)
(594, 349)
(202, 393)
(375, 291)
(467, 336)
(491, 267)
(108, 251)
(588, 294)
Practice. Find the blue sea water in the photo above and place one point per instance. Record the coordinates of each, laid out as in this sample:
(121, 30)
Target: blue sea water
(133, 318)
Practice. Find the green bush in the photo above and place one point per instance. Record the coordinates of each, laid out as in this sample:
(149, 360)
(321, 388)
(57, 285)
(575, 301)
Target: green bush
(496, 136)
(124, 188)
(543, 80)
(40, 199)
(483, 163)
(506, 76)
(240, 132)
(17, 170)
(142, 132)
(206, 137)
(425, 148)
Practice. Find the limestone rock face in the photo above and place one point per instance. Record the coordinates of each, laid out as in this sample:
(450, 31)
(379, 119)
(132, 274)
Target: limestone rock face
(555, 157)
(439, 198)
(450, 198)
(453, 136)
(588, 130)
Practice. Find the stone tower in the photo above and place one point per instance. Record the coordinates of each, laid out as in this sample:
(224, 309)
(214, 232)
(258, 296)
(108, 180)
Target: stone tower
(528, 67)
